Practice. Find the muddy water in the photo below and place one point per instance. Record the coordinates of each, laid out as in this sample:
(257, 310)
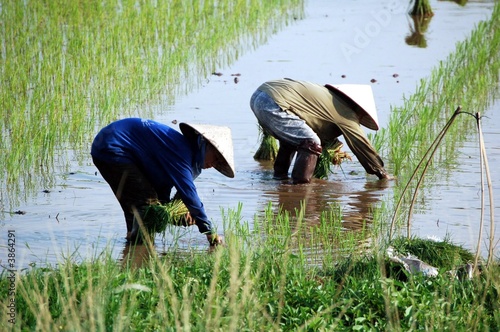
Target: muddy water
(361, 40)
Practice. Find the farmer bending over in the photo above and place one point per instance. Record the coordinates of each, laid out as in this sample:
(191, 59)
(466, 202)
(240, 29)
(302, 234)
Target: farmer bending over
(307, 117)
(142, 160)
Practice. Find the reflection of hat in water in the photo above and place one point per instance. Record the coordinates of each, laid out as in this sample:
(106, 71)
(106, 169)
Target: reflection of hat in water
(220, 138)
(362, 96)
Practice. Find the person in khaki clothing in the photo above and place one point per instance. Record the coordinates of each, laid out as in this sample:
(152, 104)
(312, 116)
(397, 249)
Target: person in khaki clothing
(305, 117)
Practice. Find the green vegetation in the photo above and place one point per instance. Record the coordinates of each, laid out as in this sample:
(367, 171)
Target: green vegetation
(330, 156)
(282, 275)
(468, 78)
(158, 216)
(260, 283)
(268, 148)
(68, 67)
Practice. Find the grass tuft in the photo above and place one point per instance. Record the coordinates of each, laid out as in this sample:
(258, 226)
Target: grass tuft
(268, 148)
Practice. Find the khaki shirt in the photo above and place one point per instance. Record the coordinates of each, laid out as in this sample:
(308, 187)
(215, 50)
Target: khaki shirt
(328, 115)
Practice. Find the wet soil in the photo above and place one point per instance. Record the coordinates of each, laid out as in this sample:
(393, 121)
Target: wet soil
(338, 42)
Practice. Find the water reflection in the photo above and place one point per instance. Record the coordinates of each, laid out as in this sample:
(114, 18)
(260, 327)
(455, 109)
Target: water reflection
(458, 2)
(140, 255)
(417, 31)
(137, 256)
(319, 196)
(362, 203)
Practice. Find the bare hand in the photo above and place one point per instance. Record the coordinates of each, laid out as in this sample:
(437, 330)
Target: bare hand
(188, 220)
(383, 175)
(215, 240)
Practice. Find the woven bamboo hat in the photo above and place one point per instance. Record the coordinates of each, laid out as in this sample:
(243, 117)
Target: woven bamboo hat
(362, 96)
(220, 137)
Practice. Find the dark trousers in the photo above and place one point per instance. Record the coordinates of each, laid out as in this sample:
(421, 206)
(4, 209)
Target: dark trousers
(131, 188)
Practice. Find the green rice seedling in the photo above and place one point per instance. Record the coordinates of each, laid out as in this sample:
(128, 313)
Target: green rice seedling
(268, 149)
(157, 217)
(331, 155)
(465, 79)
(125, 59)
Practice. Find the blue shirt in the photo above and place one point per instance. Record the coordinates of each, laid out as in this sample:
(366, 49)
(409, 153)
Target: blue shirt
(167, 158)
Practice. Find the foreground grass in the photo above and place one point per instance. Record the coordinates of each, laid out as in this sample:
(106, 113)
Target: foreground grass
(254, 284)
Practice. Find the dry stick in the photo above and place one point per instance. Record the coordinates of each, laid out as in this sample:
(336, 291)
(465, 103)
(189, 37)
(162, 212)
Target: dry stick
(439, 137)
(436, 145)
(481, 219)
(490, 192)
(492, 209)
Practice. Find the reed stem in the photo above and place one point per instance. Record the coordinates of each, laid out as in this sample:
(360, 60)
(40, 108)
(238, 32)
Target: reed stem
(433, 147)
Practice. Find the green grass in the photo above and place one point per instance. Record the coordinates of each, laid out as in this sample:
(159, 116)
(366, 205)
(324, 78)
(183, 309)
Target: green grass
(469, 78)
(69, 67)
(255, 283)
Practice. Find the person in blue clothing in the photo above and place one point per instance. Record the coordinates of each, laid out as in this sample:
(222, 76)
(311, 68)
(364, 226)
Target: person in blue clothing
(142, 160)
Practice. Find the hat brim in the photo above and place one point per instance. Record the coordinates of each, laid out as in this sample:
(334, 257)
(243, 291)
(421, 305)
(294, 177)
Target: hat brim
(219, 138)
(362, 97)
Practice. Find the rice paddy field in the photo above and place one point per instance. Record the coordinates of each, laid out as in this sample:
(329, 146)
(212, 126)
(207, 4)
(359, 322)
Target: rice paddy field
(65, 75)
(52, 181)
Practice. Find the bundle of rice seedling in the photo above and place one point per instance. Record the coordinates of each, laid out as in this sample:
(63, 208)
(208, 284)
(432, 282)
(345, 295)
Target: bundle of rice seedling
(331, 155)
(268, 149)
(157, 216)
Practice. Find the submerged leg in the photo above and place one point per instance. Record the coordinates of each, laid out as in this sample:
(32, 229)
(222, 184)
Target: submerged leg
(283, 160)
(305, 163)
(132, 190)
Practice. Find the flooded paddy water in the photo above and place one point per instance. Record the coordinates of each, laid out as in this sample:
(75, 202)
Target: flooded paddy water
(337, 42)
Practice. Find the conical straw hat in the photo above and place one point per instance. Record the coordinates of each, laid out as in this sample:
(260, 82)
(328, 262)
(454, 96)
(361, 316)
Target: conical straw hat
(220, 138)
(362, 96)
